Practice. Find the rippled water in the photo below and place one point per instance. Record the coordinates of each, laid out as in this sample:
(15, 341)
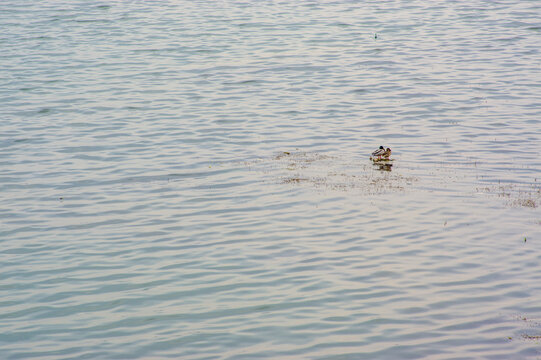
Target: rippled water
(190, 179)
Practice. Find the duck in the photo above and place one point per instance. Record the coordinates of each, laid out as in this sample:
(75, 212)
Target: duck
(379, 152)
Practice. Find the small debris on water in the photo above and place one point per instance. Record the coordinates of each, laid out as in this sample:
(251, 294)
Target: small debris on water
(526, 203)
(516, 195)
(531, 337)
(293, 180)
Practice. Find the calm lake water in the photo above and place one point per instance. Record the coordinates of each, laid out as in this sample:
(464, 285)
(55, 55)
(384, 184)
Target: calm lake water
(191, 180)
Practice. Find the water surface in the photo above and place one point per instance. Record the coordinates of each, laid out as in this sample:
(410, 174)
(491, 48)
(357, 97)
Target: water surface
(190, 179)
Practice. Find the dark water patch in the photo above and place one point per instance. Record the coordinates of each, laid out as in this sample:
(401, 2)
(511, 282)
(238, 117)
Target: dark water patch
(360, 91)
(83, 21)
(340, 24)
(244, 82)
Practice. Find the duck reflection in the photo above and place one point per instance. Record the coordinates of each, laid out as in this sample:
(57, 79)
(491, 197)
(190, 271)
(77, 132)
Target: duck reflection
(384, 167)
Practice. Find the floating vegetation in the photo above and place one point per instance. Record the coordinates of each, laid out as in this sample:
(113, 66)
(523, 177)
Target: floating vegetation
(517, 195)
(329, 172)
(293, 180)
(525, 202)
(302, 157)
(380, 176)
(531, 323)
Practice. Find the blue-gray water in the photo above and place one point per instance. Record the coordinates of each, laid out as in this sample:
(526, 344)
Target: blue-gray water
(148, 208)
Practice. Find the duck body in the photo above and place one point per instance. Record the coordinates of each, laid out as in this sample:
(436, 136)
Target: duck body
(381, 154)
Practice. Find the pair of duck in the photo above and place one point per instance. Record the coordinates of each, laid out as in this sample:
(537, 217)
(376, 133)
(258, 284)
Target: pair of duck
(381, 153)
